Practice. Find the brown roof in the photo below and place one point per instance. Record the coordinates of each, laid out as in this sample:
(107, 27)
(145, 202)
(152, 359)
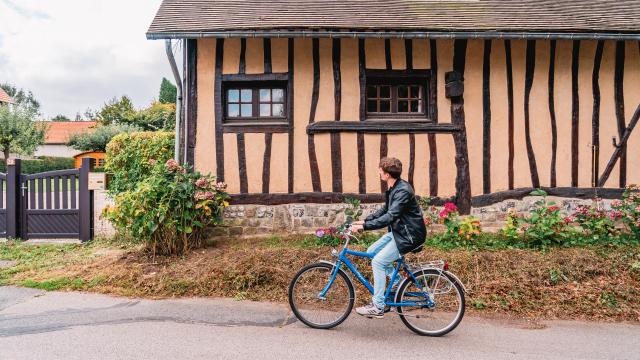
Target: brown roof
(5, 98)
(192, 18)
(59, 132)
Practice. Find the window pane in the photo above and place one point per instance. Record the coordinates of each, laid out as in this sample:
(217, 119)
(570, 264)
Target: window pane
(265, 95)
(385, 91)
(265, 110)
(278, 95)
(245, 110)
(415, 106)
(403, 106)
(403, 92)
(372, 106)
(233, 95)
(278, 110)
(415, 92)
(233, 110)
(372, 91)
(385, 106)
(245, 96)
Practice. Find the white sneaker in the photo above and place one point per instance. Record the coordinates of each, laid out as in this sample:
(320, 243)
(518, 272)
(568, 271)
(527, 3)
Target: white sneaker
(371, 311)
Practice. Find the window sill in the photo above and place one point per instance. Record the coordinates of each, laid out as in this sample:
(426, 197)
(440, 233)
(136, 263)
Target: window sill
(255, 127)
(386, 126)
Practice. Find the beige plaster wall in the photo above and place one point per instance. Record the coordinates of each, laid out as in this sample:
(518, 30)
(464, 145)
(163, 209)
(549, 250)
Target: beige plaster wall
(398, 145)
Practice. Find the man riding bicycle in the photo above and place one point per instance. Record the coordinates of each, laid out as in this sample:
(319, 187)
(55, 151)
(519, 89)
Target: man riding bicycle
(403, 218)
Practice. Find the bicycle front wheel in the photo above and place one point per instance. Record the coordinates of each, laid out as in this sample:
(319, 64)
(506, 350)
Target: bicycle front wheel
(312, 309)
(444, 312)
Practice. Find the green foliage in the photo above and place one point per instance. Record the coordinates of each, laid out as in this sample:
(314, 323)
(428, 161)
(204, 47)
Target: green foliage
(60, 117)
(19, 133)
(545, 225)
(597, 224)
(23, 98)
(132, 156)
(353, 212)
(117, 111)
(629, 209)
(42, 164)
(333, 237)
(511, 226)
(98, 138)
(158, 116)
(170, 208)
(168, 92)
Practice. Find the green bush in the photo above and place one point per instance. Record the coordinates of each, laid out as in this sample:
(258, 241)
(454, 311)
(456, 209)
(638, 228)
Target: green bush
(42, 164)
(98, 138)
(132, 156)
(170, 208)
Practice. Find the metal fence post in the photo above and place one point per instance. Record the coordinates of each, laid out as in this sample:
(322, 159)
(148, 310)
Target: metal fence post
(14, 203)
(84, 199)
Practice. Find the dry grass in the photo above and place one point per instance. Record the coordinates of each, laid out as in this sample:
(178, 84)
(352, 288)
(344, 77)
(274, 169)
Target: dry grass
(576, 283)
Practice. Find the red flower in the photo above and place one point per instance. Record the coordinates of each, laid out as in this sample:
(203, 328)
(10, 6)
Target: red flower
(553, 208)
(450, 207)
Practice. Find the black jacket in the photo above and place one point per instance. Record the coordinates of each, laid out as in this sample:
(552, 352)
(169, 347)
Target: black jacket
(403, 217)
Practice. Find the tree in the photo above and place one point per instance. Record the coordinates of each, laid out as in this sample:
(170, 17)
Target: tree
(156, 117)
(22, 97)
(19, 133)
(168, 92)
(60, 117)
(117, 111)
(98, 139)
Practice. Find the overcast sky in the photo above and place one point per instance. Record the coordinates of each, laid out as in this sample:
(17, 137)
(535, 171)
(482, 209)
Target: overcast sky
(77, 54)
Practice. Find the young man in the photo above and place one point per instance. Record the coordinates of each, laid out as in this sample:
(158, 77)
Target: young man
(403, 218)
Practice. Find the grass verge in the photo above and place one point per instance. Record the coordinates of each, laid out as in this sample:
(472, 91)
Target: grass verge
(588, 283)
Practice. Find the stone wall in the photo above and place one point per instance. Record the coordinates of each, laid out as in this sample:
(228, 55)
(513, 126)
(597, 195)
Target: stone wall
(306, 218)
(241, 220)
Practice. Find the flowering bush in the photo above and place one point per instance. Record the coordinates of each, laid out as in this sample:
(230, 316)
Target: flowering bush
(629, 209)
(545, 225)
(457, 228)
(512, 225)
(596, 223)
(170, 208)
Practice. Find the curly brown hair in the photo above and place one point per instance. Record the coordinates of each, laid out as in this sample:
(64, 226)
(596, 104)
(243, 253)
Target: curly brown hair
(391, 166)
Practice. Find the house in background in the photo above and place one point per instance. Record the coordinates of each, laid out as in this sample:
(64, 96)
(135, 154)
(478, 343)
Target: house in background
(58, 135)
(294, 102)
(5, 99)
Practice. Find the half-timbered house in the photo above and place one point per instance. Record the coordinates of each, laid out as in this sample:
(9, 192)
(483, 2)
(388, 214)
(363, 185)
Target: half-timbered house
(482, 100)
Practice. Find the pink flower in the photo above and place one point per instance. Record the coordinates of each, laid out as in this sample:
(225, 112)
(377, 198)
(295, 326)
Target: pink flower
(220, 186)
(450, 207)
(172, 165)
(616, 203)
(204, 195)
(202, 183)
(553, 208)
(569, 219)
(615, 215)
(443, 214)
(152, 162)
(320, 233)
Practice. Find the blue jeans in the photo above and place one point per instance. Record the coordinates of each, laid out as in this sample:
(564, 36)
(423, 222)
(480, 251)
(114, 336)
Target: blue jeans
(386, 253)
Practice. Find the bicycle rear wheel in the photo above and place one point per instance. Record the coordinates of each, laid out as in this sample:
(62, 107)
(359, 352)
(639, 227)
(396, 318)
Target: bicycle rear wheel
(309, 307)
(435, 319)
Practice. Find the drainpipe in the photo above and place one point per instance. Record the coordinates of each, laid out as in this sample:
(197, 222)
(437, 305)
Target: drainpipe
(176, 76)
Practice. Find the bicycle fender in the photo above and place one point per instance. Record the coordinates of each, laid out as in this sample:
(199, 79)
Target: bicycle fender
(452, 275)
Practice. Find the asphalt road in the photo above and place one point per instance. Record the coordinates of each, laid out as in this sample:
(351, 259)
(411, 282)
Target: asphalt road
(40, 325)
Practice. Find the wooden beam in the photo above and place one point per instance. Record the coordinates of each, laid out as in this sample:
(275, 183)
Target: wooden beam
(618, 84)
(486, 118)
(380, 127)
(511, 125)
(575, 113)
(620, 148)
(217, 99)
(552, 113)
(528, 82)
(336, 151)
(595, 118)
(463, 177)
(313, 160)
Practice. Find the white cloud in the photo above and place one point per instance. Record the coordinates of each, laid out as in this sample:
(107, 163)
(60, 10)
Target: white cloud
(75, 54)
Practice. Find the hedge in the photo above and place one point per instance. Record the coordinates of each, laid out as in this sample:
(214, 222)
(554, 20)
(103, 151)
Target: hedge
(42, 164)
(131, 156)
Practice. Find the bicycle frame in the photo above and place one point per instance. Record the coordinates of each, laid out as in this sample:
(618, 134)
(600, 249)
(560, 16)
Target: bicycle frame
(343, 259)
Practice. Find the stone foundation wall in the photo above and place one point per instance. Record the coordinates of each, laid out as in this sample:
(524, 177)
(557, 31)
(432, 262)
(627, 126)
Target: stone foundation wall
(243, 220)
(248, 220)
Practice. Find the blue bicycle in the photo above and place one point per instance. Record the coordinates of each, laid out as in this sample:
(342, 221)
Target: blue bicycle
(429, 300)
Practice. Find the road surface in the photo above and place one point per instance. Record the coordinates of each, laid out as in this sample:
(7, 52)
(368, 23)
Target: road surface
(57, 325)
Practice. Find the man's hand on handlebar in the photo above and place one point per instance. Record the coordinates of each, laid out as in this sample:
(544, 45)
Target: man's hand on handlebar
(357, 226)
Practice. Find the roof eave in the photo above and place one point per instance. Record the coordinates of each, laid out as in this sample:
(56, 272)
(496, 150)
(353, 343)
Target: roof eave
(404, 34)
